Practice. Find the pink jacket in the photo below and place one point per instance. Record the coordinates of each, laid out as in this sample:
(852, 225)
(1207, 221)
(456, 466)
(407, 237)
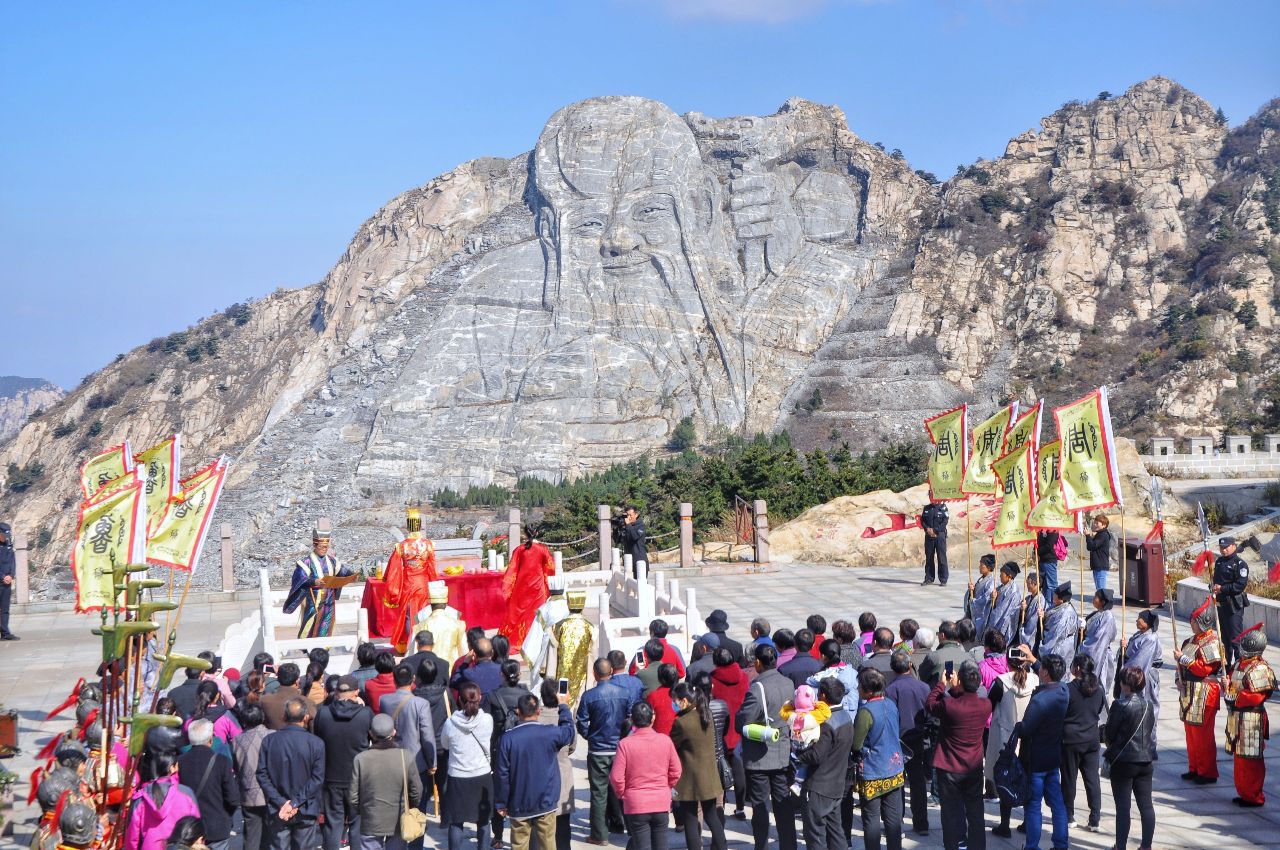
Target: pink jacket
(991, 667)
(645, 770)
(151, 824)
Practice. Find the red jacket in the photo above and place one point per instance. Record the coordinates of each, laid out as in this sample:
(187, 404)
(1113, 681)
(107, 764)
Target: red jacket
(669, 656)
(817, 642)
(664, 716)
(730, 684)
(377, 688)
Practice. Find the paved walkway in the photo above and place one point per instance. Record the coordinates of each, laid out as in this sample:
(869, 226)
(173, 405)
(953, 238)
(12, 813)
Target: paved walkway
(56, 648)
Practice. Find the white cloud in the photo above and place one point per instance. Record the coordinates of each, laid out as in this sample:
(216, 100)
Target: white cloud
(759, 11)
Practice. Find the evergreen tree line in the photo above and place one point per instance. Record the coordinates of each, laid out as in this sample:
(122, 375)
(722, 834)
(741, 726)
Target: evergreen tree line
(762, 467)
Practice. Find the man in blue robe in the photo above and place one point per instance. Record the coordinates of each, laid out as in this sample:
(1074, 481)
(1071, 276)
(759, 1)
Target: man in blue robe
(307, 591)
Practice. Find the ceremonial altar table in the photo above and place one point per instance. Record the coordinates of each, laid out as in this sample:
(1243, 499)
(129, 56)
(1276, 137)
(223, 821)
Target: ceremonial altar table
(476, 596)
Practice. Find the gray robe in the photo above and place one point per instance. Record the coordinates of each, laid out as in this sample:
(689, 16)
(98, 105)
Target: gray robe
(1143, 651)
(1031, 619)
(980, 605)
(1061, 628)
(1004, 612)
(1099, 640)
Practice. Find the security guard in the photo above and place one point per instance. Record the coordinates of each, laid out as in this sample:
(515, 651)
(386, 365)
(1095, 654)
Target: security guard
(933, 519)
(1230, 575)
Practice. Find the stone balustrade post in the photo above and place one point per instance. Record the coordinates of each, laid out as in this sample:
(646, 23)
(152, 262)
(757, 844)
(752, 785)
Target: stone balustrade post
(228, 557)
(22, 581)
(686, 534)
(604, 515)
(513, 529)
(761, 511)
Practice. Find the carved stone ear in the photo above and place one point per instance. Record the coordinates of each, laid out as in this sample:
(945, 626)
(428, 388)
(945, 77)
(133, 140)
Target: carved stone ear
(545, 223)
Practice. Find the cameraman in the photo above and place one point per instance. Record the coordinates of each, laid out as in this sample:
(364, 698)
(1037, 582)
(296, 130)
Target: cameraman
(631, 536)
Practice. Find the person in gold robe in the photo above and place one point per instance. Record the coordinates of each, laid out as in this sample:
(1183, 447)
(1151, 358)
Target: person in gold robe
(445, 624)
(574, 638)
(411, 568)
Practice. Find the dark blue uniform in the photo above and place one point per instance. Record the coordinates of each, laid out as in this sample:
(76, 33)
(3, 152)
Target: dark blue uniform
(1232, 573)
(934, 518)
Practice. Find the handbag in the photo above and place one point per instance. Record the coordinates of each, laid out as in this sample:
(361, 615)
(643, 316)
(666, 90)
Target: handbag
(413, 822)
(1111, 755)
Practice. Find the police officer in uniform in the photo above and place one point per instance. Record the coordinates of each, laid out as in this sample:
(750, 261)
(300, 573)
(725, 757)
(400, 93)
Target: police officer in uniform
(1230, 575)
(933, 519)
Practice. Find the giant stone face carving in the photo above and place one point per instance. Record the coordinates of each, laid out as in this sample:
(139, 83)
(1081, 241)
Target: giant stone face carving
(657, 287)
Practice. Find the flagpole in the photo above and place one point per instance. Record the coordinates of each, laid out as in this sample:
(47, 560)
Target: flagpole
(1081, 553)
(1124, 575)
(968, 535)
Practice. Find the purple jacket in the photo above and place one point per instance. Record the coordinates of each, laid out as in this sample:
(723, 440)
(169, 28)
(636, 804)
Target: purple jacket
(151, 823)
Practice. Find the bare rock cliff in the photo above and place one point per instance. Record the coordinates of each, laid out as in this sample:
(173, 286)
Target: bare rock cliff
(558, 311)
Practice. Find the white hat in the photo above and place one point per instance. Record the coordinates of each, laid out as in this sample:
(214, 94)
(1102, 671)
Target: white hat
(437, 592)
(555, 583)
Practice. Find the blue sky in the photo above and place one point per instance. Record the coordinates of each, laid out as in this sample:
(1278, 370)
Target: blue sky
(161, 161)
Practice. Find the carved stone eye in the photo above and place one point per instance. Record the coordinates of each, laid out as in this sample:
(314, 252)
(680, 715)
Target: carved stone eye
(588, 227)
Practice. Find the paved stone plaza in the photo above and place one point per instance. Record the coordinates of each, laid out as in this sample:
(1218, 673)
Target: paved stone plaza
(56, 648)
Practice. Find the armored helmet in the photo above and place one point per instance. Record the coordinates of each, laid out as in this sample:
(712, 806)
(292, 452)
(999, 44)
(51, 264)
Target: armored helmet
(79, 824)
(1202, 617)
(90, 692)
(83, 709)
(55, 783)
(1253, 642)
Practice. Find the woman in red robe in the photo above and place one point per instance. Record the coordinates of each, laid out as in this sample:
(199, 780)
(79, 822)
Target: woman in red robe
(524, 587)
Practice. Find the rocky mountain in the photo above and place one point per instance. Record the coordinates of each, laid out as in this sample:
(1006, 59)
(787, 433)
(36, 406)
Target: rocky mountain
(20, 399)
(565, 309)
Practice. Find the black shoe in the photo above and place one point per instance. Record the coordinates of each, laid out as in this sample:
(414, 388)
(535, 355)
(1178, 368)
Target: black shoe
(926, 581)
(1002, 831)
(1191, 776)
(1022, 827)
(10, 636)
(1205, 780)
(1245, 804)
(740, 814)
(942, 584)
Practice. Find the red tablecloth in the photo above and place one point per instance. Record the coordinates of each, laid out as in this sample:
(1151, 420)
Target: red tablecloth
(476, 596)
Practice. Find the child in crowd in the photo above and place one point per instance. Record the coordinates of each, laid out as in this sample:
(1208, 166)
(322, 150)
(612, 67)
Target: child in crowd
(805, 714)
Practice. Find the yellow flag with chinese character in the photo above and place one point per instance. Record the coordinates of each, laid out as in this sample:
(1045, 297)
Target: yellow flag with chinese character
(988, 440)
(1015, 474)
(1089, 472)
(176, 541)
(115, 462)
(160, 465)
(1049, 514)
(950, 453)
(1026, 429)
(111, 532)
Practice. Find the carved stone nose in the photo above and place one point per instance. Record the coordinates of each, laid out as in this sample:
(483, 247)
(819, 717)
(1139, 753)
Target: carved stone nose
(618, 242)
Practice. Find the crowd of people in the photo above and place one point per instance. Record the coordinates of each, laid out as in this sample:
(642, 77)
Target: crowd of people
(851, 728)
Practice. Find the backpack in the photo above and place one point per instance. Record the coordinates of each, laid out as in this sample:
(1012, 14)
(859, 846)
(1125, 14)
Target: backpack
(1061, 549)
(1010, 777)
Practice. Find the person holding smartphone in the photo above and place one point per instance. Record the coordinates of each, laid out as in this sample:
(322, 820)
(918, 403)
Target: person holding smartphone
(1009, 694)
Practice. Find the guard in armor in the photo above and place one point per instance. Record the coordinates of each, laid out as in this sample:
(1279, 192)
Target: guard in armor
(537, 648)
(1230, 576)
(444, 623)
(1199, 689)
(79, 827)
(411, 568)
(317, 602)
(49, 793)
(1251, 683)
(933, 519)
(574, 638)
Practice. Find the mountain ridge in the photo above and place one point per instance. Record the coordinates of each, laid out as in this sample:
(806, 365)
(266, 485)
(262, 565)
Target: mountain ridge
(1121, 242)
